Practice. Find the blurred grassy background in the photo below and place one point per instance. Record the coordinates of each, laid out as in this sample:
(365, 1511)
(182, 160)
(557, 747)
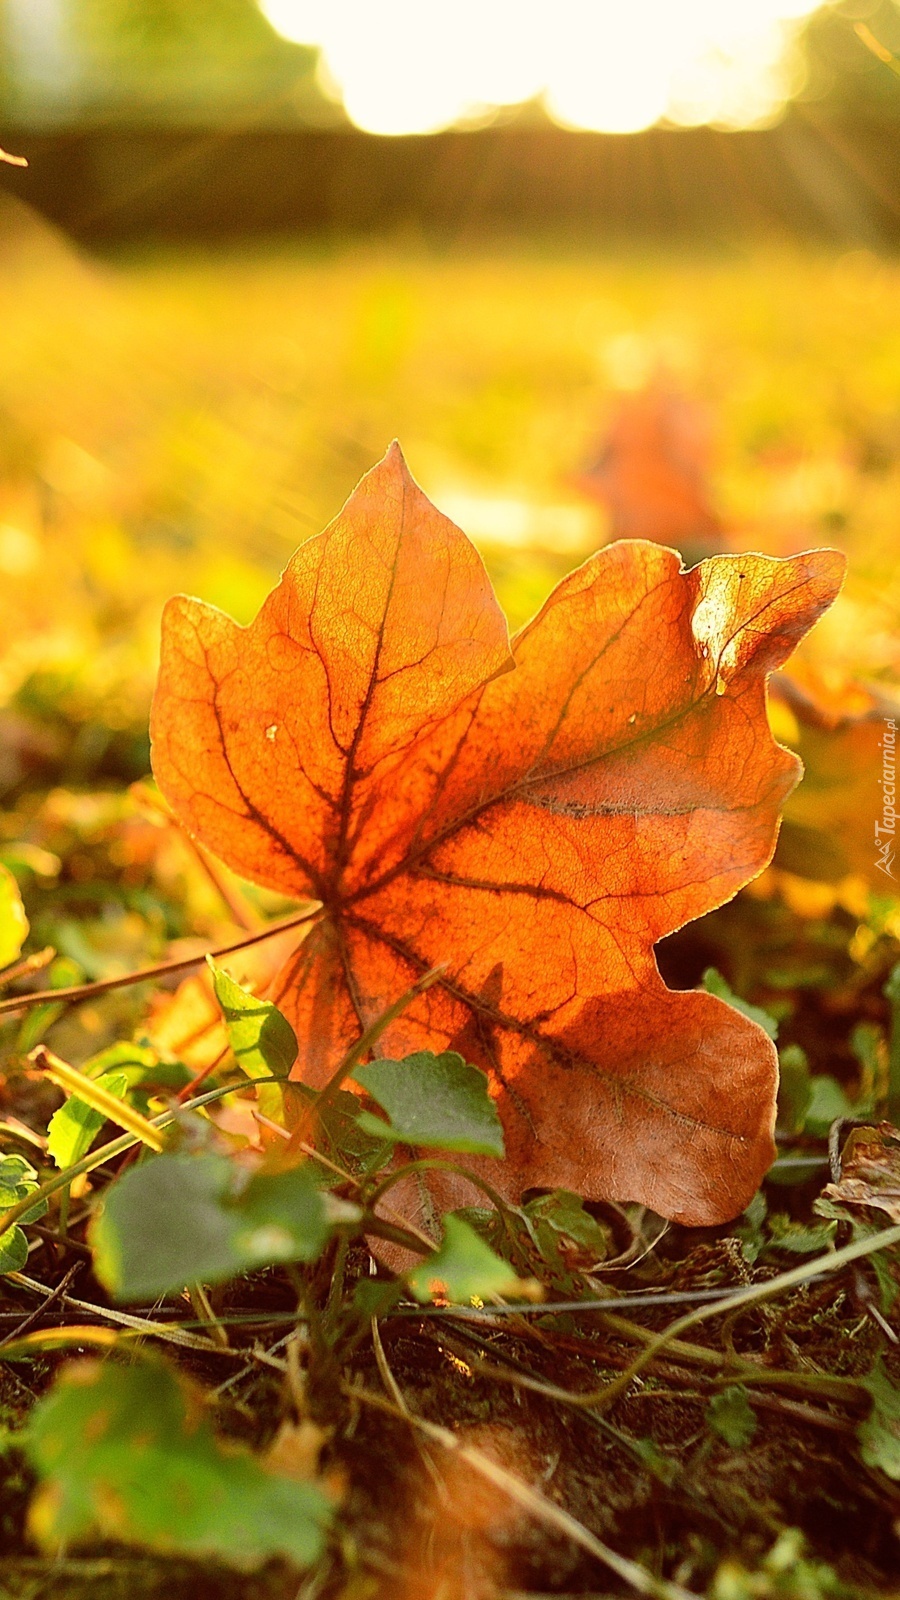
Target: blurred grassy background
(183, 420)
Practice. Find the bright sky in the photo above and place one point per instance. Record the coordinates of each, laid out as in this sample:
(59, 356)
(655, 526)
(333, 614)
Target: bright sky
(414, 66)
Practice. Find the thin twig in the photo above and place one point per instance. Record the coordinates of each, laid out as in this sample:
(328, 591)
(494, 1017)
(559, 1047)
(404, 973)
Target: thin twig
(203, 1306)
(107, 1152)
(547, 1308)
(84, 991)
(92, 1093)
(59, 1293)
(123, 1319)
(797, 1410)
(27, 966)
(396, 1394)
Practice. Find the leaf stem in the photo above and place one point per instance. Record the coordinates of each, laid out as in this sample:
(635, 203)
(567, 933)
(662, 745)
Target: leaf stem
(364, 1043)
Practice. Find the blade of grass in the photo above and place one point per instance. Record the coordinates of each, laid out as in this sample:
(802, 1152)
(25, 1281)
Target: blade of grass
(92, 1092)
(530, 1500)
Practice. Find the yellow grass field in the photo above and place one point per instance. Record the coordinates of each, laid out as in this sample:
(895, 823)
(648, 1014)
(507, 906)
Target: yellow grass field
(184, 420)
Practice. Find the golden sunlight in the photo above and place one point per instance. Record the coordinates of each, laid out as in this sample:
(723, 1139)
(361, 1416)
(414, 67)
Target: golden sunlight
(416, 66)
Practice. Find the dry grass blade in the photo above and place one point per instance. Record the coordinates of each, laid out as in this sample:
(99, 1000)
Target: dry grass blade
(93, 1094)
(752, 1295)
(119, 1319)
(531, 1501)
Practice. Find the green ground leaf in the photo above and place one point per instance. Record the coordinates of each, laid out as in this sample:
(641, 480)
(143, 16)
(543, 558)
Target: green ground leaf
(73, 1128)
(463, 1269)
(879, 1435)
(136, 1061)
(435, 1100)
(263, 1041)
(127, 1453)
(731, 1416)
(13, 921)
(13, 1250)
(714, 983)
(180, 1219)
(750, 1228)
(123, 1068)
(18, 1179)
(802, 1239)
(560, 1216)
(827, 1102)
(794, 1088)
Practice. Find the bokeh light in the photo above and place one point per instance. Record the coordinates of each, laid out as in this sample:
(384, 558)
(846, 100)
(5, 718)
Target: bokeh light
(416, 66)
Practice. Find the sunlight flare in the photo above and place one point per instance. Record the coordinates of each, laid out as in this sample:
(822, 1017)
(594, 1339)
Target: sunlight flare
(416, 66)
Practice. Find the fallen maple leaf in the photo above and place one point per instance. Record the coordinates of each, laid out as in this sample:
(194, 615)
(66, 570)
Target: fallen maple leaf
(534, 816)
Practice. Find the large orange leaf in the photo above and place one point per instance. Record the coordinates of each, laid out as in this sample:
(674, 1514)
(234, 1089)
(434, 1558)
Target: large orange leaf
(535, 815)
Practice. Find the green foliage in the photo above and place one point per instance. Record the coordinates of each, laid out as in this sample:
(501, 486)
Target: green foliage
(127, 1453)
(794, 1089)
(13, 921)
(661, 1466)
(553, 1236)
(343, 1136)
(891, 992)
(750, 1228)
(13, 1250)
(183, 60)
(761, 1231)
(827, 1102)
(783, 1574)
(180, 1219)
(262, 1040)
(18, 1179)
(123, 1069)
(731, 1416)
(560, 1221)
(36, 1022)
(434, 1100)
(73, 1128)
(463, 1268)
(879, 1434)
(802, 1239)
(714, 983)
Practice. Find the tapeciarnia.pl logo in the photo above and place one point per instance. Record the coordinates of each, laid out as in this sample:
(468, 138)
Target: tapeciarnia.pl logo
(887, 827)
